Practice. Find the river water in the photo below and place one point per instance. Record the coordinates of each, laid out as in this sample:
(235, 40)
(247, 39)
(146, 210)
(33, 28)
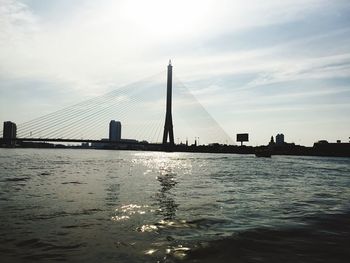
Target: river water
(131, 206)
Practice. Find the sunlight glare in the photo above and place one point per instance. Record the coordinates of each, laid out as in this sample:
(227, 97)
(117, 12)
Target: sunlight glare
(165, 18)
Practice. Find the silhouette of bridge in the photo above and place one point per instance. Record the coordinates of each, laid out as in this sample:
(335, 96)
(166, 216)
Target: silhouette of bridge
(139, 106)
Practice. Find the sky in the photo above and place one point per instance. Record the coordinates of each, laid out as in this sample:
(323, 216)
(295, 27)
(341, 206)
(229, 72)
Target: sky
(261, 67)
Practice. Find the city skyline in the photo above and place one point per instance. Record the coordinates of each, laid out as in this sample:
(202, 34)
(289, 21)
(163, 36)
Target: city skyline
(286, 71)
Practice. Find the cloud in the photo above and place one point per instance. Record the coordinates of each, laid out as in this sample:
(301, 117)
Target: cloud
(105, 42)
(328, 67)
(16, 21)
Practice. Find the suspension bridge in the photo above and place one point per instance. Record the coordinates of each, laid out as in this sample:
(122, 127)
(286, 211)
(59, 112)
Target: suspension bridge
(140, 109)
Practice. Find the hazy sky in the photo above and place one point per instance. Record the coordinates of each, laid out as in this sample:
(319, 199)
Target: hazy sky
(263, 67)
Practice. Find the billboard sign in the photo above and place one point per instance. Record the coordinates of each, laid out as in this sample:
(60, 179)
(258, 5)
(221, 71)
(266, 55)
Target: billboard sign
(242, 137)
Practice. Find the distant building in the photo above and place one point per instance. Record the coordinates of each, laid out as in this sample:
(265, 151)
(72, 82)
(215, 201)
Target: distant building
(99, 145)
(280, 139)
(9, 133)
(85, 145)
(115, 130)
(326, 148)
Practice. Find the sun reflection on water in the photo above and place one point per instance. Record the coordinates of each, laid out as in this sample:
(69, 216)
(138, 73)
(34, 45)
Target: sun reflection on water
(164, 163)
(147, 228)
(177, 252)
(164, 224)
(166, 170)
(119, 218)
(126, 211)
(150, 251)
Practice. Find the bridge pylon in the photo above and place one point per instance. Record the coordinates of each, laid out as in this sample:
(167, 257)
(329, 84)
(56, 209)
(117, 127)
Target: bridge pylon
(168, 126)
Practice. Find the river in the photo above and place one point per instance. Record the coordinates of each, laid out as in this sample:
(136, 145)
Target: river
(132, 206)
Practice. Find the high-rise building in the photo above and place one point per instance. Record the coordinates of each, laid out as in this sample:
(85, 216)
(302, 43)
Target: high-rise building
(115, 130)
(9, 132)
(280, 139)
